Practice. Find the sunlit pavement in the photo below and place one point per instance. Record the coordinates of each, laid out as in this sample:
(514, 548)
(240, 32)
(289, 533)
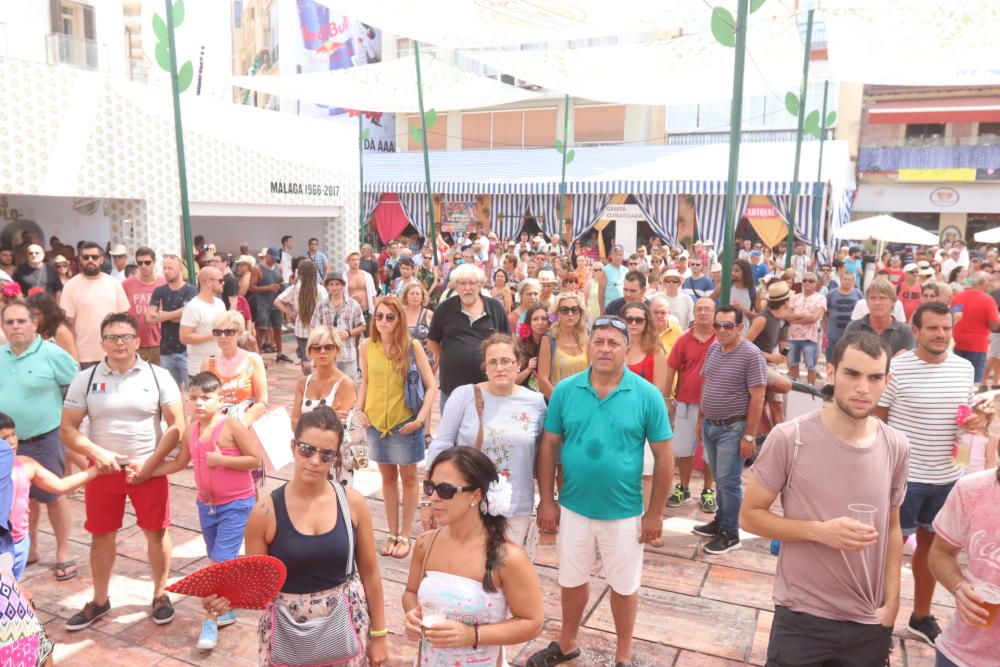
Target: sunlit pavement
(693, 609)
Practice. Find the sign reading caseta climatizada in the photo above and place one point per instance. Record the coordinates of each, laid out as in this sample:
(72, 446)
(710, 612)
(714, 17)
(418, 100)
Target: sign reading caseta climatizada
(304, 189)
(622, 212)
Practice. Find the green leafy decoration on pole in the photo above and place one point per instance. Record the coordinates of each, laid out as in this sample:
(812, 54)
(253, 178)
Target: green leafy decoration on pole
(723, 23)
(812, 125)
(185, 74)
(417, 134)
(561, 148)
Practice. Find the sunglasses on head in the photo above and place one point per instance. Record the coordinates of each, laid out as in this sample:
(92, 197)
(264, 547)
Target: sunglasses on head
(611, 321)
(723, 325)
(567, 310)
(325, 347)
(224, 332)
(388, 317)
(307, 451)
(445, 490)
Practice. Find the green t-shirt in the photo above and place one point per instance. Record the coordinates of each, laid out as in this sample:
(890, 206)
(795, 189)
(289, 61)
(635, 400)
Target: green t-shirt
(603, 443)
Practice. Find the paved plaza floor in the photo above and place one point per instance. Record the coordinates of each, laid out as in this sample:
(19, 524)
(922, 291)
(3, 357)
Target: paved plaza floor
(693, 609)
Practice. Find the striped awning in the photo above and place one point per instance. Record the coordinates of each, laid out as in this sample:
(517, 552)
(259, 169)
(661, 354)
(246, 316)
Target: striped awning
(634, 187)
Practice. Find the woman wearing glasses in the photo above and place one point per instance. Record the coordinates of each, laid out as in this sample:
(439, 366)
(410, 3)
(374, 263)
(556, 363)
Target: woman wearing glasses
(323, 534)
(566, 352)
(395, 432)
(244, 382)
(327, 385)
(469, 592)
(504, 421)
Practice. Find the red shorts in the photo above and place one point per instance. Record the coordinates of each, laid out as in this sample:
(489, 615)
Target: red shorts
(104, 498)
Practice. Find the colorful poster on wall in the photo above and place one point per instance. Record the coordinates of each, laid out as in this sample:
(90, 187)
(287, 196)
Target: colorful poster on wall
(459, 216)
(328, 41)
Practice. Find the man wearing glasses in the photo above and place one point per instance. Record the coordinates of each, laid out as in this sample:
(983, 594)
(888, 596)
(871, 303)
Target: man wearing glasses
(36, 273)
(597, 426)
(697, 285)
(124, 399)
(197, 317)
(732, 397)
(139, 290)
(680, 304)
(807, 309)
(88, 298)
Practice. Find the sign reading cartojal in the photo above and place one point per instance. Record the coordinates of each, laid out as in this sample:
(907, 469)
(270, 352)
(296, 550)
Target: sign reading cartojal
(305, 189)
(459, 216)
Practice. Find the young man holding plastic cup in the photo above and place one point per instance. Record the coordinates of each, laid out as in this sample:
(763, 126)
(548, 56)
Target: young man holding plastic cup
(841, 474)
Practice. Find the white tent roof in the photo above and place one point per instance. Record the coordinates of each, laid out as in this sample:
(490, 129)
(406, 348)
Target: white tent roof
(390, 87)
(886, 229)
(764, 169)
(989, 236)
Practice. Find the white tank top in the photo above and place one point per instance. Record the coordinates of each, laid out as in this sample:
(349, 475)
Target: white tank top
(310, 404)
(464, 600)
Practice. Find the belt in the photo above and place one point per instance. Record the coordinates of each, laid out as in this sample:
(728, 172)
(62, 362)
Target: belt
(37, 437)
(727, 421)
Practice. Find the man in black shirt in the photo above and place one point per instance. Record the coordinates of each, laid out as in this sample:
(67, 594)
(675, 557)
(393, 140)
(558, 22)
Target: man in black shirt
(460, 325)
(369, 262)
(230, 286)
(633, 289)
(36, 273)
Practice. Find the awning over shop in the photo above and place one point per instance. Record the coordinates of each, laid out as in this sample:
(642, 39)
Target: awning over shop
(953, 110)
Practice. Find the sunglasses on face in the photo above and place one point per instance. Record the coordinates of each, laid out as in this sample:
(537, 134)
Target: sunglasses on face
(307, 451)
(90, 258)
(672, 282)
(718, 326)
(808, 280)
(444, 490)
(224, 332)
(570, 310)
(325, 347)
(635, 319)
(144, 262)
(388, 317)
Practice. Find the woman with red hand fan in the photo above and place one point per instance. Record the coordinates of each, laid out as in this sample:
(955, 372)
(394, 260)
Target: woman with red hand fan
(331, 607)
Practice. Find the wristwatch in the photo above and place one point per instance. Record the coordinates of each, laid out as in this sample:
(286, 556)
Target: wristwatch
(748, 437)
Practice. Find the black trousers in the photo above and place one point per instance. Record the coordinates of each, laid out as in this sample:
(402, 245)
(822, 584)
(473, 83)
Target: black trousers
(803, 640)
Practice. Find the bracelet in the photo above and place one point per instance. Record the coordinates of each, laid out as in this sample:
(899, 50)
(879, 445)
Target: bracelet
(378, 633)
(475, 644)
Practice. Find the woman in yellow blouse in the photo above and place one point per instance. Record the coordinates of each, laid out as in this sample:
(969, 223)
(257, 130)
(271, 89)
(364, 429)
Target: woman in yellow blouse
(570, 349)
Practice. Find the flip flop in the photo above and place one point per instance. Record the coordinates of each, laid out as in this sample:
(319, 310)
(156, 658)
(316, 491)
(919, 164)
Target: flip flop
(389, 545)
(65, 566)
(402, 540)
(551, 655)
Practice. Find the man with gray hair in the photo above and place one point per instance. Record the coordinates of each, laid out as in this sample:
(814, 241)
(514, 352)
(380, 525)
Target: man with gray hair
(460, 325)
(880, 297)
(36, 273)
(976, 316)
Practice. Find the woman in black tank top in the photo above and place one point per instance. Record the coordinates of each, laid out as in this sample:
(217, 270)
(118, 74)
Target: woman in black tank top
(323, 534)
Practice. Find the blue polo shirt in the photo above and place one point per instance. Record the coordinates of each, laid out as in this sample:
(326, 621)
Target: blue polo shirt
(603, 443)
(33, 385)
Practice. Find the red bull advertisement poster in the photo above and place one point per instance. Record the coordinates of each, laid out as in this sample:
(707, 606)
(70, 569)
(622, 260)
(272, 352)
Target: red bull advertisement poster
(329, 41)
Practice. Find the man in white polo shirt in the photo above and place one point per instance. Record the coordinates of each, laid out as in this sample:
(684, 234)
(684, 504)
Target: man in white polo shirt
(197, 317)
(125, 399)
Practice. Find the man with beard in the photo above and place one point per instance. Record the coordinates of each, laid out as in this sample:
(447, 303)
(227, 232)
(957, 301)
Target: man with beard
(841, 474)
(88, 298)
(36, 273)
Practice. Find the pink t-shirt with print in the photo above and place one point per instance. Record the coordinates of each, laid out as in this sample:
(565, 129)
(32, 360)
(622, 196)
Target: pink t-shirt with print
(970, 519)
(814, 304)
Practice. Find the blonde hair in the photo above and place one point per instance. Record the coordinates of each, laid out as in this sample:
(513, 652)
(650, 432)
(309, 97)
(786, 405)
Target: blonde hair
(580, 330)
(416, 284)
(230, 317)
(322, 335)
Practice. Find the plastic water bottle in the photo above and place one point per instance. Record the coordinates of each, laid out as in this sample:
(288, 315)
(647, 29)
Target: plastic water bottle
(775, 547)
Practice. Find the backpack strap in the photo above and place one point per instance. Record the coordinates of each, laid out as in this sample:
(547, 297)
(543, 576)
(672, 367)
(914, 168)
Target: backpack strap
(479, 411)
(795, 455)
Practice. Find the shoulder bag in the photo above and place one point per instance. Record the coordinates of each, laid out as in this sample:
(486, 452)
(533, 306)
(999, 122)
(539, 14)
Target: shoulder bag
(413, 388)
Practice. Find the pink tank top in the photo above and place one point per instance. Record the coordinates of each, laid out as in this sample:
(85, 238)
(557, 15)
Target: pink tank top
(19, 504)
(218, 485)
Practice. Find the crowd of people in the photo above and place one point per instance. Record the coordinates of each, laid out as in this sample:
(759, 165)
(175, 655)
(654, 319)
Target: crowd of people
(570, 386)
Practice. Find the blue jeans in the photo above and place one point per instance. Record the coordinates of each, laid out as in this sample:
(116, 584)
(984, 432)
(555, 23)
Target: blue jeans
(177, 365)
(722, 449)
(802, 350)
(978, 361)
(921, 504)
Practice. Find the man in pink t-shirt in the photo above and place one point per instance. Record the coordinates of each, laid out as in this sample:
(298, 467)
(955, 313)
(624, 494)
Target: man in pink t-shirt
(841, 474)
(139, 289)
(87, 298)
(807, 310)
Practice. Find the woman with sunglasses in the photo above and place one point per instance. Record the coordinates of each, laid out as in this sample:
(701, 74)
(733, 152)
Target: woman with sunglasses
(244, 382)
(299, 302)
(504, 421)
(61, 265)
(323, 534)
(395, 434)
(327, 385)
(500, 290)
(645, 358)
(469, 592)
(566, 353)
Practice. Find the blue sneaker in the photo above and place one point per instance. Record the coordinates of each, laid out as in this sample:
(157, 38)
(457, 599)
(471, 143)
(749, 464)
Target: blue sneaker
(209, 636)
(226, 619)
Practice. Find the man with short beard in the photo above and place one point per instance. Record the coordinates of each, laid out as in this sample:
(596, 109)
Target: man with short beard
(7, 262)
(36, 273)
(841, 474)
(87, 298)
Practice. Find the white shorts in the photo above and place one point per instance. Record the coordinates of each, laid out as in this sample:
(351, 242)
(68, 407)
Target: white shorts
(685, 440)
(617, 541)
(523, 531)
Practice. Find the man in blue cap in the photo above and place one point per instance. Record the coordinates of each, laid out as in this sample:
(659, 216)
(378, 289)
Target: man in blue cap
(759, 267)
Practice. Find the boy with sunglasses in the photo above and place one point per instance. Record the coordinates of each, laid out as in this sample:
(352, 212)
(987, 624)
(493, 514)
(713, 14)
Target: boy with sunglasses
(223, 452)
(139, 290)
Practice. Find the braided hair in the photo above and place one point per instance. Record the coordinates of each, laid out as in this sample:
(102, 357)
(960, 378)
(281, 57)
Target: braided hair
(479, 471)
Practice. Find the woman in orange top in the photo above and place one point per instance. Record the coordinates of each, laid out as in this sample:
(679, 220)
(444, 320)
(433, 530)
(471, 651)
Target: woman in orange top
(244, 383)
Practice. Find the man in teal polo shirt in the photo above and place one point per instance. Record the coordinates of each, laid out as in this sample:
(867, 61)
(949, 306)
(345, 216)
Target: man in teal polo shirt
(34, 373)
(597, 426)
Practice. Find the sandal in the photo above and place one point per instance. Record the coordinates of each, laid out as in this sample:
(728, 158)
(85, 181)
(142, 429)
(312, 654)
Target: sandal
(404, 541)
(389, 545)
(67, 573)
(658, 542)
(551, 655)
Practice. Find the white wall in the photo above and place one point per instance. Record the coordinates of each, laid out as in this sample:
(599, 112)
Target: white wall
(25, 24)
(227, 233)
(56, 217)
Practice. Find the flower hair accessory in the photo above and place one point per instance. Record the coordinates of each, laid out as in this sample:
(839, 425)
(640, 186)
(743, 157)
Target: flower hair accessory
(524, 331)
(498, 498)
(11, 290)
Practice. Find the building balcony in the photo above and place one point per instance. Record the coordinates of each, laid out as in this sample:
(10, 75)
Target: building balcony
(959, 155)
(63, 49)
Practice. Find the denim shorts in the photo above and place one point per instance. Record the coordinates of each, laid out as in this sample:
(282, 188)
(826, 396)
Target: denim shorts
(803, 350)
(176, 364)
(978, 361)
(222, 527)
(921, 505)
(394, 448)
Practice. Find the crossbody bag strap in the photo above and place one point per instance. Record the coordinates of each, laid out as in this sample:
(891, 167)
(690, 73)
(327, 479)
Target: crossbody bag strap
(795, 455)
(479, 411)
(345, 510)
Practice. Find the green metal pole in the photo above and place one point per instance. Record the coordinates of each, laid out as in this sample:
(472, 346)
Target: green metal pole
(427, 160)
(818, 202)
(562, 183)
(179, 134)
(798, 140)
(735, 130)
(361, 182)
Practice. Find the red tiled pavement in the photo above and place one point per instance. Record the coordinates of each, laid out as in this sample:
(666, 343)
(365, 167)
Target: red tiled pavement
(693, 610)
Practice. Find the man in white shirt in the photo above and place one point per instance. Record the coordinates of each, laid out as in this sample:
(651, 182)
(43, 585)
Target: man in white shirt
(197, 317)
(119, 260)
(286, 260)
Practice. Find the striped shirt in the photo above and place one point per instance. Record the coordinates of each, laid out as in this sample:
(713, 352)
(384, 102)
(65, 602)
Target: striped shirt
(728, 378)
(923, 402)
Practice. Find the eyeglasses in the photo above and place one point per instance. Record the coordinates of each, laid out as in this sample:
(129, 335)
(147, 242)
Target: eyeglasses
(570, 310)
(671, 282)
(723, 325)
(808, 280)
(467, 283)
(90, 258)
(635, 319)
(114, 338)
(144, 262)
(503, 362)
(224, 332)
(327, 347)
(307, 451)
(445, 490)
(388, 317)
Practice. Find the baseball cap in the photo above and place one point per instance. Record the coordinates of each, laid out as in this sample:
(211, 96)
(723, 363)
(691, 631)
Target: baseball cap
(715, 268)
(335, 275)
(59, 258)
(274, 252)
(927, 272)
(755, 253)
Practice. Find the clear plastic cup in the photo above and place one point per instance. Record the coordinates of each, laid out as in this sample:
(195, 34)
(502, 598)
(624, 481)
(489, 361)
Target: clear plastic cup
(991, 600)
(432, 615)
(862, 513)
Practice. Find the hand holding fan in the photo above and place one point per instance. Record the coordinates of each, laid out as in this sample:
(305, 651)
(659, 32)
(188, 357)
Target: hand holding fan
(249, 582)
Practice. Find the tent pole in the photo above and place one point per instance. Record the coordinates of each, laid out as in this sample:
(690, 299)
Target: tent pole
(735, 132)
(427, 162)
(562, 182)
(818, 199)
(798, 139)
(361, 182)
(179, 136)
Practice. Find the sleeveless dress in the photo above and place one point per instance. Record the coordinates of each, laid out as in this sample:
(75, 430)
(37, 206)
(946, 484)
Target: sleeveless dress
(644, 368)
(565, 364)
(236, 394)
(420, 331)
